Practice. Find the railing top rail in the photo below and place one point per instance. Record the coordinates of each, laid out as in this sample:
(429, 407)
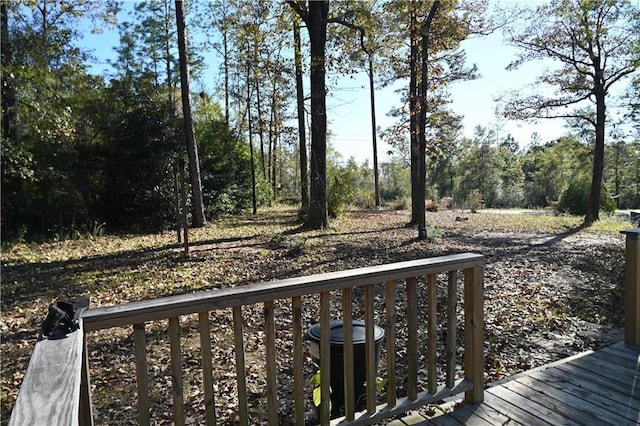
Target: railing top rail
(631, 231)
(172, 306)
(50, 390)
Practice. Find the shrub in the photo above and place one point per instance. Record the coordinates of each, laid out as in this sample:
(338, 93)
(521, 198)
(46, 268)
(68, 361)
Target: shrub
(575, 199)
(400, 203)
(474, 200)
(338, 195)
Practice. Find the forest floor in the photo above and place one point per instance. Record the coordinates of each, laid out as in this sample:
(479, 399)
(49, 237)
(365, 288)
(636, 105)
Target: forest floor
(552, 289)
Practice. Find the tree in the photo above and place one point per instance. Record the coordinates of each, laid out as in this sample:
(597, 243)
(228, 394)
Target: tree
(8, 91)
(455, 22)
(130, 173)
(592, 42)
(254, 43)
(373, 37)
(225, 160)
(447, 152)
(510, 188)
(45, 88)
(315, 16)
(622, 173)
(302, 137)
(478, 171)
(199, 218)
(549, 168)
(219, 13)
(422, 116)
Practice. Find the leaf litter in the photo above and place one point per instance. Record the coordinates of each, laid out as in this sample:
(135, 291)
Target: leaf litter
(551, 290)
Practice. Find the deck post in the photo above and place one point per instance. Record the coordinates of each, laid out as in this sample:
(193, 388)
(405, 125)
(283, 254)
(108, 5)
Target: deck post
(632, 287)
(86, 409)
(473, 333)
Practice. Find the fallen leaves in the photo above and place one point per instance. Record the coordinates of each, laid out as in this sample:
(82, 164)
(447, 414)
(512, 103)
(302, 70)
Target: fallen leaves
(549, 292)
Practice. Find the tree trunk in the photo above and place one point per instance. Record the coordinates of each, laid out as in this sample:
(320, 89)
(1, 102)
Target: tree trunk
(253, 163)
(260, 119)
(374, 139)
(413, 122)
(593, 209)
(422, 120)
(422, 138)
(318, 216)
(273, 142)
(8, 100)
(617, 179)
(225, 45)
(183, 204)
(199, 218)
(167, 53)
(304, 179)
(316, 17)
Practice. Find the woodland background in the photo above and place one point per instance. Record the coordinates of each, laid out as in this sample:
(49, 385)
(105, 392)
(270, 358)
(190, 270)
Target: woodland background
(89, 153)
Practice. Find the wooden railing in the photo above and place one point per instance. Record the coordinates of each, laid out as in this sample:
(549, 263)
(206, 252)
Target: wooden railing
(415, 277)
(55, 388)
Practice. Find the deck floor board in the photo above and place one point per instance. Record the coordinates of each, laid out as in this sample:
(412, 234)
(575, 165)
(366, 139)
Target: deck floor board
(597, 388)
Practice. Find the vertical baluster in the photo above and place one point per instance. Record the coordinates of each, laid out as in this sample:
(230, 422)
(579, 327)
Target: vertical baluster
(412, 339)
(142, 378)
(390, 338)
(432, 330)
(473, 331)
(298, 366)
(452, 325)
(325, 358)
(347, 321)
(370, 346)
(176, 371)
(207, 367)
(241, 374)
(270, 343)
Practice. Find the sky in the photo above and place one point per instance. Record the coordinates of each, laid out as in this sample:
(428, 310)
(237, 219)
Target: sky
(349, 117)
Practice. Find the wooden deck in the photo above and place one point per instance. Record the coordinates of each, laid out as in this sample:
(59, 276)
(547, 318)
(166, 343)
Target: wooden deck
(593, 388)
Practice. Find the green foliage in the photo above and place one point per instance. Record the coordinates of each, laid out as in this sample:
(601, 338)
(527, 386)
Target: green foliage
(474, 200)
(622, 173)
(395, 183)
(400, 203)
(349, 185)
(575, 198)
(549, 168)
(339, 192)
(44, 77)
(317, 394)
(136, 157)
(264, 191)
(225, 165)
(478, 169)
